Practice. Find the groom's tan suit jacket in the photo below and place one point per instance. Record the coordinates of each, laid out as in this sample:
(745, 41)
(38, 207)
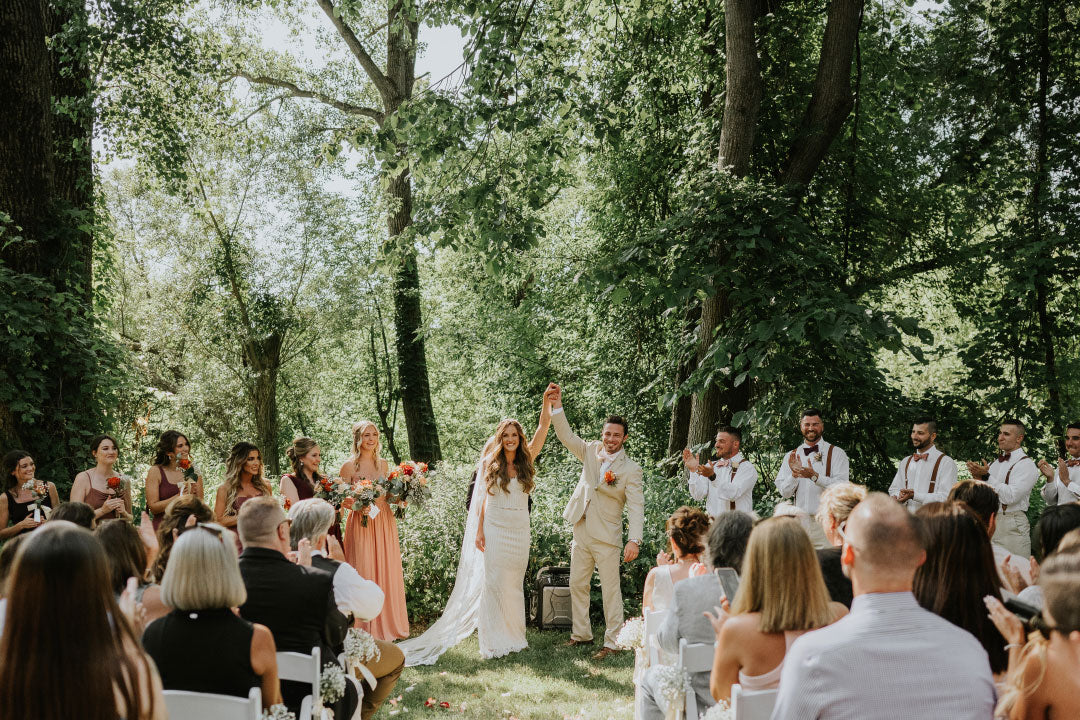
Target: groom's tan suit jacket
(599, 502)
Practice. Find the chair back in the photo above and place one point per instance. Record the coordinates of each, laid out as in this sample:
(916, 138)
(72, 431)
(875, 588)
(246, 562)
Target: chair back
(694, 658)
(752, 704)
(302, 668)
(653, 621)
(186, 705)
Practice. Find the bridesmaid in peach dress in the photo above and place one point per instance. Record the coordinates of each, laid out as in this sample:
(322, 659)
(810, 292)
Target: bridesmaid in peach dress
(374, 550)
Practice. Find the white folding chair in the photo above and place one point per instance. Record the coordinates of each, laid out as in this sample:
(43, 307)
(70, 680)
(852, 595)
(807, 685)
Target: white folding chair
(186, 705)
(653, 621)
(303, 668)
(694, 658)
(752, 704)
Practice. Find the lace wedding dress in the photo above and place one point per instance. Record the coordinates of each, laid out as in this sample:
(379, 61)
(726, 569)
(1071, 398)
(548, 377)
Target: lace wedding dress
(488, 589)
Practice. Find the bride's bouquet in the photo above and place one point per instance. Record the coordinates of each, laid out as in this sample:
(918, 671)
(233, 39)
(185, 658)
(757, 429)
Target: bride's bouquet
(408, 482)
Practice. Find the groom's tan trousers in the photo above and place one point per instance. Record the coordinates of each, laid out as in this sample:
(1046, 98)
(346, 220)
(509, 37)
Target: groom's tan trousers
(587, 553)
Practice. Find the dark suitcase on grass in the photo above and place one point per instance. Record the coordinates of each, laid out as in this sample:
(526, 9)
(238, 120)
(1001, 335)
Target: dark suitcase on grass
(549, 606)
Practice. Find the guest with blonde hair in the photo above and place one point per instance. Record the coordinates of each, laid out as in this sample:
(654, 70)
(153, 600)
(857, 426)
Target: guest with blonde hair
(202, 584)
(781, 596)
(834, 507)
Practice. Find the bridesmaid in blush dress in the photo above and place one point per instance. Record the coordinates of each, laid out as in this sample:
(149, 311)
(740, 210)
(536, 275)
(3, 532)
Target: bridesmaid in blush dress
(165, 479)
(305, 456)
(374, 550)
(243, 481)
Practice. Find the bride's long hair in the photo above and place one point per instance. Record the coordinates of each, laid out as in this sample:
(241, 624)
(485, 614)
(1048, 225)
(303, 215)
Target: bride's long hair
(496, 471)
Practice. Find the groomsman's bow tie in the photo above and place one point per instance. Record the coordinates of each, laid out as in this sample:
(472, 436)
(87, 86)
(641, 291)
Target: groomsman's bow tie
(1005, 457)
(920, 456)
(811, 449)
(1072, 463)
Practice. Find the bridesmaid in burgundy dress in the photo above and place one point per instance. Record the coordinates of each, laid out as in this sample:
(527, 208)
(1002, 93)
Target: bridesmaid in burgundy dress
(92, 486)
(305, 456)
(165, 478)
(243, 481)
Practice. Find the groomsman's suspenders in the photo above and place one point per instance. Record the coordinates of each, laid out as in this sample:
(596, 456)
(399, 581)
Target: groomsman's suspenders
(933, 473)
(1005, 507)
(828, 462)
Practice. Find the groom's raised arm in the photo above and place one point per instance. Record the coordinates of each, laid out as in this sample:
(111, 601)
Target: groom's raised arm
(562, 429)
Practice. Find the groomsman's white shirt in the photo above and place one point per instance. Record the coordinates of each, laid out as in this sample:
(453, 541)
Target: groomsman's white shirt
(915, 475)
(806, 490)
(1022, 474)
(726, 486)
(1055, 492)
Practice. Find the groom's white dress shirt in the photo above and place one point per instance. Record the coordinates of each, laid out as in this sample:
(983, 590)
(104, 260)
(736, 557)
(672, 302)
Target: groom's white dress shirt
(915, 473)
(887, 659)
(730, 488)
(1055, 492)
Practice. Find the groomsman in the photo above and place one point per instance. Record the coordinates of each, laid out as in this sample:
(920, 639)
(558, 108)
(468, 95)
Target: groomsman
(726, 483)
(1063, 482)
(1012, 476)
(809, 469)
(927, 474)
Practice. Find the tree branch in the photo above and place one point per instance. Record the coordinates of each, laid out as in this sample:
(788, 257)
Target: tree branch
(296, 91)
(382, 83)
(831, 101)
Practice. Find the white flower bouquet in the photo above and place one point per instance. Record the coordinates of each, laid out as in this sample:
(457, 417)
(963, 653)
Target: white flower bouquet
(632, 634)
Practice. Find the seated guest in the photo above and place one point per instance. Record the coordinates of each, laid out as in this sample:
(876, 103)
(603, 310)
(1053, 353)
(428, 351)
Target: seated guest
(185, 510)
(202, 645)
(888, 657)
(297, 603)
(75, 512)
(17, 504)
(686, 529)
(128, 558)
(984, 502)
(1043, 682)
(958, 573)
(243, 481)
(781, 596)
(834, 506)
(725, 547)
(1056, 522)
(68, 650)
(92, 486)
(356, 597)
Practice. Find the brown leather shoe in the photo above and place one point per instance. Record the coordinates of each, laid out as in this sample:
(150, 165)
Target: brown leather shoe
(605, 652)
(576, 643)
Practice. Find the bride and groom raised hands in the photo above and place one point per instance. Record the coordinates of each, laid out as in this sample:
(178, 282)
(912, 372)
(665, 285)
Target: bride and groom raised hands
(610, 481)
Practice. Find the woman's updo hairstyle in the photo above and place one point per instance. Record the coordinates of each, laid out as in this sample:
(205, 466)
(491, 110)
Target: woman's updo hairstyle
(687, 528)
(165, 445)
(300, 447)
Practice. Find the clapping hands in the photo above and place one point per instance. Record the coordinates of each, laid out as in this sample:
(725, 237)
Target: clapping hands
(978, 470)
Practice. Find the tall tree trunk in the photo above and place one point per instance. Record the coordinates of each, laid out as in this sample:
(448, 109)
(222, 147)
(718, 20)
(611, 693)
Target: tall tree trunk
(408, 319)
(1047, 327)
(263, 357)
(679, 431)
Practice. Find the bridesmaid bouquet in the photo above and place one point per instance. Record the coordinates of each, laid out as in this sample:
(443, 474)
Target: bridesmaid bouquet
(191, 475)
(115, 485)
(363, 494)
(408, 482)
(39, 491)
(335, 491)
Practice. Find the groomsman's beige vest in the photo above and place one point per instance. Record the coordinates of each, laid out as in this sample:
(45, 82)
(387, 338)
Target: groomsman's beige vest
(595, 512)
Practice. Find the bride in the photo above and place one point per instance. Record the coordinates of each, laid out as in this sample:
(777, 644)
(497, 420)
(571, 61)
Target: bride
(488, 592)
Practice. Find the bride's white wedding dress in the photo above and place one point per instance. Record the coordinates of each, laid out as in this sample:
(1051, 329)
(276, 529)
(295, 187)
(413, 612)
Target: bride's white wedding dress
(488, 589)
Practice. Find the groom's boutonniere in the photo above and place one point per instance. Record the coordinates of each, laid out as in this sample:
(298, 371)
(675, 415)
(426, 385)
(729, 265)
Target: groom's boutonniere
(735, 466)
(610, 478)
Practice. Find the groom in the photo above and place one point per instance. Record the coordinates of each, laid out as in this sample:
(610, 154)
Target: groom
(609, 480)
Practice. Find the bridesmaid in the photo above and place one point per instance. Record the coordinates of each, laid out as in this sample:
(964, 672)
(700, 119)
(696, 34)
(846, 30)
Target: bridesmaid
(165, 477)
(92, 487)
(374, 550)
(243, 481)
(305, 457)
(16, 504)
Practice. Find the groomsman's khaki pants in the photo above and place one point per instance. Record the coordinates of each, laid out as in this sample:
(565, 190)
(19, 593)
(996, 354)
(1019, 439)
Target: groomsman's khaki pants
(587, 553)
(1014, 533)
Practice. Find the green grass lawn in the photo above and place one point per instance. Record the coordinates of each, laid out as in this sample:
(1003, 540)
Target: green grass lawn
(544, 682)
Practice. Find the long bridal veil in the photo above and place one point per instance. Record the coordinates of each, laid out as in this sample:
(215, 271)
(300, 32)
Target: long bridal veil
(461, 614)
